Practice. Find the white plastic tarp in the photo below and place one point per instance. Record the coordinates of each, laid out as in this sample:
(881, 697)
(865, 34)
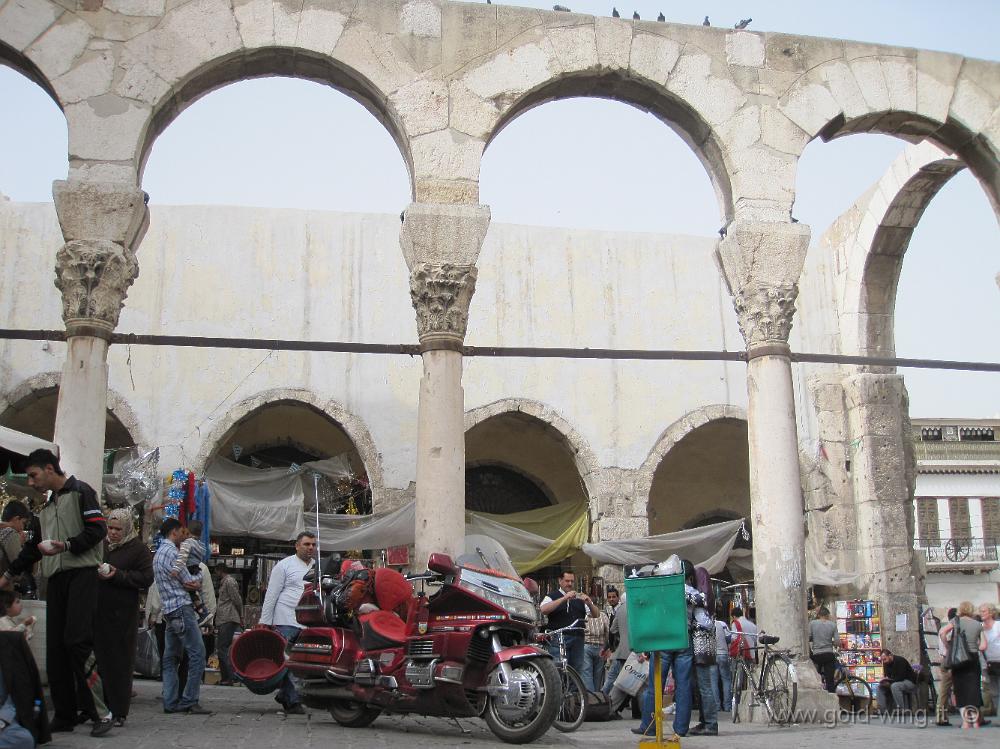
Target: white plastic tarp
(23, 444)
(266, 503)
(378, 531)
(708, 547)
(817, 573)
(520, 545)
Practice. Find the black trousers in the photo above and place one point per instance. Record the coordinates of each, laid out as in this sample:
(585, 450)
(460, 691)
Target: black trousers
(225, 641)
(827, 665)
(69, 643)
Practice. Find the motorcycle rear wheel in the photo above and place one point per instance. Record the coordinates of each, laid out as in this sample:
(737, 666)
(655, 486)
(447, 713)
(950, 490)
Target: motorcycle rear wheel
(544, 715)
(353, 714)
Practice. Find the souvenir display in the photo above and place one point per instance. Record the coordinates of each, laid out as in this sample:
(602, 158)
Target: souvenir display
(860, 631)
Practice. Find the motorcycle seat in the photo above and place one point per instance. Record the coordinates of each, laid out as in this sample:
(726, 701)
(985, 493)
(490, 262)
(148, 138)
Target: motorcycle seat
(382, 629)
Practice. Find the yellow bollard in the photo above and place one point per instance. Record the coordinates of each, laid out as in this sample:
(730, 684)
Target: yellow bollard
(674, 742)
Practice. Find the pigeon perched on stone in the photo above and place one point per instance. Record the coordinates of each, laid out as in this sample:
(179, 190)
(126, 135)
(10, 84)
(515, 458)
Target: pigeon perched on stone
(661, 18)
(615, 13)
(635, 15)
(563, 8)
(706, 22)
(722, 232)
(743, 24)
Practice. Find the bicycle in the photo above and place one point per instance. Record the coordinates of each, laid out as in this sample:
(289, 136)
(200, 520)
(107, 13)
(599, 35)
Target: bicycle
(854, 690)
(773, 683)
(573, 709)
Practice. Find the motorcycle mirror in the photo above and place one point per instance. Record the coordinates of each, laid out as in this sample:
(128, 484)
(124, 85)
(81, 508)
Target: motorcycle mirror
(441, 563)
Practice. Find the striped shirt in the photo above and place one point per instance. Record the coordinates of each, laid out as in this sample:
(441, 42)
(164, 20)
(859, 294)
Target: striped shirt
(173, 594)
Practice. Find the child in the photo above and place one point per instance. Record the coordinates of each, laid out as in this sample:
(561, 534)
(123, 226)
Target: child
(10, 608)
(190, 555)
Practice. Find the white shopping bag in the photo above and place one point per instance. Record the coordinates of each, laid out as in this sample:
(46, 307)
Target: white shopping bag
(633, 676)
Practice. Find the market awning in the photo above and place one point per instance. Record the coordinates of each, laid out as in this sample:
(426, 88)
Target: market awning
(23, 444)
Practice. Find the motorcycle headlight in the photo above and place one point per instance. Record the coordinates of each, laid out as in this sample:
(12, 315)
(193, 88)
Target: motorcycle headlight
(513, 606)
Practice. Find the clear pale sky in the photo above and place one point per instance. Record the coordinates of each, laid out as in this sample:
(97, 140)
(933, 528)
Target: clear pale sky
(588, 164)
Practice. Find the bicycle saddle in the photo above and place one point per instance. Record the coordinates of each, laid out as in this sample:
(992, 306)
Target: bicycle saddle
(768, 639)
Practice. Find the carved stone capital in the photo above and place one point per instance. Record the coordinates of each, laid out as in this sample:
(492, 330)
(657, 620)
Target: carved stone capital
(765, 312)
(441, 294)
(94, 276)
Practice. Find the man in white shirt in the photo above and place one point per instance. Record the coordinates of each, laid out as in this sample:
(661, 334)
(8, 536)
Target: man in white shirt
(284, 589)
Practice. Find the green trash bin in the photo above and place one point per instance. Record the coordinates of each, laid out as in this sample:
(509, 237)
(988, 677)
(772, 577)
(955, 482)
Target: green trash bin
(657, 613)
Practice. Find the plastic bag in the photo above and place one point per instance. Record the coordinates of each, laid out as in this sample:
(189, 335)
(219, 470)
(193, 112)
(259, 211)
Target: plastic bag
(633, 676)
(670, 566)
(147, 655)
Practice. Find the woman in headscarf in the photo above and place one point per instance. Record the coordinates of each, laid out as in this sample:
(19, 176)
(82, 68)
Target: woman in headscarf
(127, 570)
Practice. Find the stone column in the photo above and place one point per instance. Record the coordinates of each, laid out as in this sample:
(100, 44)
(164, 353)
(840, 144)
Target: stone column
(883, 478)
(765, 315)
(101, 223)
(441, 244)
(762, 262)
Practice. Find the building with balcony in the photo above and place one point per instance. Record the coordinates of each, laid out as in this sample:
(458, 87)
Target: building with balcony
(957, 507)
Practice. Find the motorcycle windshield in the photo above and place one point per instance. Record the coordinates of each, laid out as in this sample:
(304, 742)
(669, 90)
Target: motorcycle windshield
(484, 553)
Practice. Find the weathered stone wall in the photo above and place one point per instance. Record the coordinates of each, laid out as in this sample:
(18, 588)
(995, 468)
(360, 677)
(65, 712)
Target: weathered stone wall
(326, 276)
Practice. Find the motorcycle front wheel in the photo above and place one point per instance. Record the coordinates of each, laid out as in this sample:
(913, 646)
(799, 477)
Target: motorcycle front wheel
(530, 707)
(353, 714)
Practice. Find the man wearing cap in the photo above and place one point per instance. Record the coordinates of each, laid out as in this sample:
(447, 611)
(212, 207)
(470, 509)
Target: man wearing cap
(182, 635)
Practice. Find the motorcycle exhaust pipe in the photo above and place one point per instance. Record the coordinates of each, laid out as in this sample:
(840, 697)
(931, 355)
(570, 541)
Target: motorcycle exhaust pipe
(311, 693)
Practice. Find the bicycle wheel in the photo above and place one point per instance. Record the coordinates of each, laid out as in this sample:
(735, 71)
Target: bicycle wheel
(780, 688)
(854, 694)
(574, 702)
(742, 685)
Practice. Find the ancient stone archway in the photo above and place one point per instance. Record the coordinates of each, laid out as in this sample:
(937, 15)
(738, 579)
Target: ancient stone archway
(578, 467)
(672, 435)
(878, 233)
(633, 88)
(319, 428)
(705, 474)
(914, 94)
(290, 62)
(30, 407)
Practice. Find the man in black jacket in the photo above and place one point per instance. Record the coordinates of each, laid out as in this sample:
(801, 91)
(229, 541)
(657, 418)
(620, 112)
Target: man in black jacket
(72, 527)
(563, 607)
(899, 680)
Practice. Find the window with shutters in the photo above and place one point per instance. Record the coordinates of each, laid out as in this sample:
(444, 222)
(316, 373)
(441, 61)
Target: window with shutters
(991, 520)
(958, 508)
(928, 528)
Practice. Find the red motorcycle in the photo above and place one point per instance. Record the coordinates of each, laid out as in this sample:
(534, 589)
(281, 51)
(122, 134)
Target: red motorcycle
(465, 650)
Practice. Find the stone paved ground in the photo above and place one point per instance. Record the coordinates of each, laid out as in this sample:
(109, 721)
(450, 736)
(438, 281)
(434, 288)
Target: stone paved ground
(245, 721)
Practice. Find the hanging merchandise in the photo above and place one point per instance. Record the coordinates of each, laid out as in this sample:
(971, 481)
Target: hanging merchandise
(860, 630)
(176, 494)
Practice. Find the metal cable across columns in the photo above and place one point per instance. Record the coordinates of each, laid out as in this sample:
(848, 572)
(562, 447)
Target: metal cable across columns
(441, 244)
(762, 262)
(102, 223)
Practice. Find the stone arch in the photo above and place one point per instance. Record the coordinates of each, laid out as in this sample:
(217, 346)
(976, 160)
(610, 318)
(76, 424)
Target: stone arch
(46, 384)
(682, 85)
(672, 435)
(912, 94)
(352, 425)
(882, 226)
(583, 456)
(290, 62)
(26, 67)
